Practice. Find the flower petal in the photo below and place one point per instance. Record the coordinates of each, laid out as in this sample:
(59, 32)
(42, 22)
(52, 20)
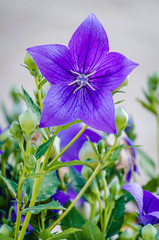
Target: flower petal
(152, 218)
(54, 62)
(88, 44)
(111, 71)
(97, 110)
(61, 197)
(67, 135)
(137, 192)
(1, 152)
(151, 202)
(60, 106)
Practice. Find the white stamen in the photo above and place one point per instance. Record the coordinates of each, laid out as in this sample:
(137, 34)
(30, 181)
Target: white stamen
(82, 81)
(73, 82)
(77, 89)
(76, 73)
(91, 74)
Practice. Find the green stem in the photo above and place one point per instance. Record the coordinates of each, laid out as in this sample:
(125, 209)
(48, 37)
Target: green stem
(136, 235)
(36, 186)
(19, 204)
(100, 211)
(68, 145)
(105, 203)
(96, 171)
(93, 210)
(10, 213)
(39, 94)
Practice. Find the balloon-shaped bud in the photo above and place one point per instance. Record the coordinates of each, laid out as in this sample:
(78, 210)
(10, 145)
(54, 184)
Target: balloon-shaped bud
(121, 118)
(126, 235)
(31, 163)
(149, 232)
(28, 60)
(28, 122)
(114, 188)
(16, 131)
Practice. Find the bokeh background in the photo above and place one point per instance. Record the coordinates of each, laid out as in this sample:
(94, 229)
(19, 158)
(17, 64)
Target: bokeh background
(131, 25)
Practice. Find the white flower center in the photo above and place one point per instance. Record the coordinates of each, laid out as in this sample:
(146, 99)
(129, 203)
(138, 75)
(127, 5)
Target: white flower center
(82, 80)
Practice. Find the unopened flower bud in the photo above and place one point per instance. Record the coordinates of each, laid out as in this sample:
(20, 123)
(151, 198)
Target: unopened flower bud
(126, 235)
(28, 60)
(121, 118)
(100, 146)
(32, 149)
(87, 152)
(86, 172)
(43, 213)
(31, 162)
(55, 150)
(16, 131)
(21, 167)
(25, 198)
(6, 230)
(149, 232)
(114, 188)
(28, 122)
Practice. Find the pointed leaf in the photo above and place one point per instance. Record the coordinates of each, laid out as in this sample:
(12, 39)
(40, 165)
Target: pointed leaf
(59, 164)
(48, 187)
(146, 163)
(38, 208)
(4, 237)
(36, 175)
(30, 104)
(91, 232)
(11, 185)
(43, 148)
(64, 127)
(63, 235)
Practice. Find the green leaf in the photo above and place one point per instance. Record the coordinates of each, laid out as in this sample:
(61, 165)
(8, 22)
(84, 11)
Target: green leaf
(4, 237)
(75, 220)
(146, 163)
(36, 175)
(64, 127)
(59, 164)
(11, 185)
(43, 148)
(30, 104)
(151, 107)
(38, 208)
(63, 235)
(48, 187)
(42, 83)
(151, 186)
(117, 217)
(91, 232)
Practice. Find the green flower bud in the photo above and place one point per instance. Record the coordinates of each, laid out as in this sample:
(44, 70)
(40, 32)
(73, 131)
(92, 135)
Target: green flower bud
(16, 131)
(126, 235)
(121, 118)
(28, 122)
(28, 60)
(31, 163)
(25, 198)
(87, 152)
(114, 188)
(7, 230)
(149, 232)
(43, 213)
(32, 149)
(21, 167)
(86, 172)
(55, 150)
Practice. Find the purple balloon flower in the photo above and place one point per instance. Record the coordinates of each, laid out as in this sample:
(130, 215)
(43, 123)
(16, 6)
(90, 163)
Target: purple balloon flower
(1, 152)
(147, 202)
(73, 152)
(83, 76)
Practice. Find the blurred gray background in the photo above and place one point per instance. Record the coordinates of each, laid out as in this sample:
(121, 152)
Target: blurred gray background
(131, 25)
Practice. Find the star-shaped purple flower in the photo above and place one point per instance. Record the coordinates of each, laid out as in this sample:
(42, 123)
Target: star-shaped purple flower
(83, 76)
(147, 202)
